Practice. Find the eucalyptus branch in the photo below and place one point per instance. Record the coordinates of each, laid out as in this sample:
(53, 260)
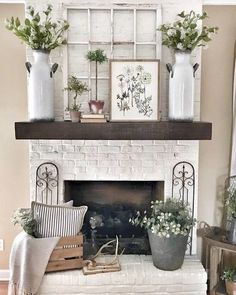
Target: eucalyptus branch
(185, 34)
(39, 32)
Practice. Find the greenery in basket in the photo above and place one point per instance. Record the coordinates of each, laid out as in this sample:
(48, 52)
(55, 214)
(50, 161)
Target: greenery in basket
(172, 217)
(39, 31)
(185, 34)
(78, 87)
(25, 219)
(98, 56)
(229, 274)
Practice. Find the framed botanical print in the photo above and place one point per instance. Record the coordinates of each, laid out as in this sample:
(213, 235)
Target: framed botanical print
(134, 86)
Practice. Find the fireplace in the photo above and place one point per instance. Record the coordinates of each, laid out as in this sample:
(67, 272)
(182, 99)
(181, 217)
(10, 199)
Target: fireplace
(110, 206)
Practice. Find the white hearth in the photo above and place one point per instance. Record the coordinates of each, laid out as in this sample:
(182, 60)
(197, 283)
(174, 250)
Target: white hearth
(138, 276)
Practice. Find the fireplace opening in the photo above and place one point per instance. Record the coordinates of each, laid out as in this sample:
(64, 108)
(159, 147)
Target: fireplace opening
(110, 206)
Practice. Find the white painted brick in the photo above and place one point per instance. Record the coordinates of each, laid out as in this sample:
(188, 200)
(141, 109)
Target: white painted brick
(120, 170)
(51, 156)
(79, 170)
(34, 155)
(72, 156)
(143, 156)
(149, 163)
(131, 149)
(119, 142)
(86, 163)
(96, 171)
(66, 148)
(131, 163)
(69, 176)
(108, 163)
(95, 142)
(154, 148)
(68, 163)
(108, 149)
(86, 149)
(96, 156)
(118, 156)
(142, 142)
(78, 142)
(41, 148)
(49, 142)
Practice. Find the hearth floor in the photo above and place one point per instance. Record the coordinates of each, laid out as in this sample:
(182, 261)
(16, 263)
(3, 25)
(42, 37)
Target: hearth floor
(138, 276)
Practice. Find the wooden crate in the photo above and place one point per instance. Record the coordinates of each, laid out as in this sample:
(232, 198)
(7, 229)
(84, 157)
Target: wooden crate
(68, 254)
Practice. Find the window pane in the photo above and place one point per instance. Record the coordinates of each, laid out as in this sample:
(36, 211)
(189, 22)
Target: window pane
(78, 30)
(146, 51)
(146, 25)
(101, 25)
(77, 62)
(123, 25)
(123, 51)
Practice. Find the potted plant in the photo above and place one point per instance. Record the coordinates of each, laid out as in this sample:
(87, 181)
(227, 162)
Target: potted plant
(98, 56)
(229, 275)
(183, 36)
(230, 203)
(41, 34)
(168, 224)
(76, 86)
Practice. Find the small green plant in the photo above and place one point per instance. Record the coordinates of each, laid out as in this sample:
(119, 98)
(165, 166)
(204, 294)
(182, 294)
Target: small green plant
(39, 32)
(24, 218)
(98, 56)
(172, 217)
(229, 274)
(78, 87)
(184, 34)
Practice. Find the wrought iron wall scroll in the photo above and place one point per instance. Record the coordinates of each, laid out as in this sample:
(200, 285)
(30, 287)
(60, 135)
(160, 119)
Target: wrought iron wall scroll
(47, 177)
(183, 188)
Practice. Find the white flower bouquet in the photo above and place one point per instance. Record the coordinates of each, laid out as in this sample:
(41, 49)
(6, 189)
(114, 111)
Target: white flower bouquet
(172, 217)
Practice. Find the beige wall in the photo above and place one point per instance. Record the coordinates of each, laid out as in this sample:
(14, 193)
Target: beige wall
(216, 107)
(14, 179)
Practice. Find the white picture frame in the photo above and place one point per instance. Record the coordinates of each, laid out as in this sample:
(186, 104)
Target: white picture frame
(134, 90)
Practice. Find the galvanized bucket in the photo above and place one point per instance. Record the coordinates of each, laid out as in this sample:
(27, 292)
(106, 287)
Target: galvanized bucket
(168, 253)
(232, 231)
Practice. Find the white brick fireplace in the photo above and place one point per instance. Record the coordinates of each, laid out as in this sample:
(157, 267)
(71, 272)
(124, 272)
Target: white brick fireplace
(116, 160)
(119, 160)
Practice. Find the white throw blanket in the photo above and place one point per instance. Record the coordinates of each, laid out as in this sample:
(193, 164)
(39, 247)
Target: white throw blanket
(28, 261)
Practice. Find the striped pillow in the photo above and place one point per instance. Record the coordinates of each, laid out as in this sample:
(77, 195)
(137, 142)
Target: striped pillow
(58, 221)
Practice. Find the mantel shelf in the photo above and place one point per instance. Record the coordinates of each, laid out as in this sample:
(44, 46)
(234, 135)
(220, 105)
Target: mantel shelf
(163, 130)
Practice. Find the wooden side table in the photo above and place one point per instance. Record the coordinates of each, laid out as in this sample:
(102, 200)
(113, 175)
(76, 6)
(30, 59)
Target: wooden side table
(216, 246)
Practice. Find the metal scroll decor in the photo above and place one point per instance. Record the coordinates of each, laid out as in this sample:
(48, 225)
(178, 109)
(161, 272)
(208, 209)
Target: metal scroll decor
(183, 188)
(47, 177)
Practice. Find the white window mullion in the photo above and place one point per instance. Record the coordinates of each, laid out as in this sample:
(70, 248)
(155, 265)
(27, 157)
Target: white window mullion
(65, 66)
(89, 48)
(112, 33)
(158, 33)
(135, 32)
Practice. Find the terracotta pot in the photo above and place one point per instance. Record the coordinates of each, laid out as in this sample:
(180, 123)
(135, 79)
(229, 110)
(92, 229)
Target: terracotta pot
(75, 116)
(230, 287)
(96, 106)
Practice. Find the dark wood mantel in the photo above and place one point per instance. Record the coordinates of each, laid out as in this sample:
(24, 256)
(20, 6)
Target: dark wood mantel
(164, 130)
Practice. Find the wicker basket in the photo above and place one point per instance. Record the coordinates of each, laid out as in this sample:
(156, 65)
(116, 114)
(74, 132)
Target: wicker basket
(68, 254)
